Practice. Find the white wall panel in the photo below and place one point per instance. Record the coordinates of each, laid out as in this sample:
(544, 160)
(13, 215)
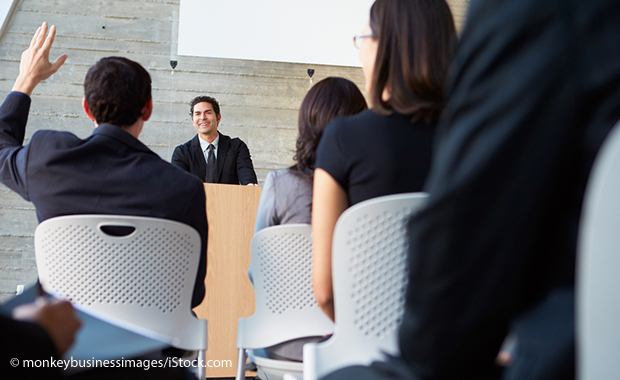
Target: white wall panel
(300, 31)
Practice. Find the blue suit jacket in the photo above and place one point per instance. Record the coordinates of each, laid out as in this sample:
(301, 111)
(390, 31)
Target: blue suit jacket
(110, 172)
(234, 164)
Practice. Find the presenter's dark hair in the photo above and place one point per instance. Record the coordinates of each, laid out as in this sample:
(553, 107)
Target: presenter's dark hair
(416, 42)
(116, 90)
(206, 99)
(328, 99)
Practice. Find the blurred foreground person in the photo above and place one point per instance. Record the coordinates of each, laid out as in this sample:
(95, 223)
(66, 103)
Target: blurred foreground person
(110, 172)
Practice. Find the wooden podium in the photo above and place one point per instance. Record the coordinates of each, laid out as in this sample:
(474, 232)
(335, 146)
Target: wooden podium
(231, 214)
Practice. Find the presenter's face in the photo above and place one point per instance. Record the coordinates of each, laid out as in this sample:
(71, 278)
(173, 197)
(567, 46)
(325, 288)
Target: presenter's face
(205, 120)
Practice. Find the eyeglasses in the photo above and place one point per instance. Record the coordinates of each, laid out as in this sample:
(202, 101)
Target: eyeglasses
(357, 40)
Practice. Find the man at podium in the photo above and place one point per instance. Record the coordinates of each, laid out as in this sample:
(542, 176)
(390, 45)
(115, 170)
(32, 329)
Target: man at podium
(210, 155)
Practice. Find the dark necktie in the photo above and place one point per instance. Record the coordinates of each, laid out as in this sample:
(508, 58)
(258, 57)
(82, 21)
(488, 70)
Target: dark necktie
(211, 165)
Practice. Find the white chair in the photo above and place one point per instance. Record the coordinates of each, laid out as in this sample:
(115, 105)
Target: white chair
(598, 268)
(281, 267)
(134, 272)
(369, 269)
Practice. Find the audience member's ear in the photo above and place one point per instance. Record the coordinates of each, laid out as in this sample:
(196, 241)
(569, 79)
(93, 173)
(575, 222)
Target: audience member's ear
(87, 110)
(147, 110)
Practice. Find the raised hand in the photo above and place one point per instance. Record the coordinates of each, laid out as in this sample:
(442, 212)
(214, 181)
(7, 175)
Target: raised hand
(35, 65)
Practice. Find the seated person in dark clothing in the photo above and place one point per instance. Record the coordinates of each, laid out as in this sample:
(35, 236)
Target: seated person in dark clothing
(111, 172)
(387, 149)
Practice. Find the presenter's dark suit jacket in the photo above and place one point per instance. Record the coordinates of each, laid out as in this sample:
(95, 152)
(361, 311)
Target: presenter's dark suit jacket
(110, 172)
(234, 164)
(535, 90)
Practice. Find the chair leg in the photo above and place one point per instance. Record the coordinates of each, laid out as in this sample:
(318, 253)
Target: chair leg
(202, 366)
(242, 357)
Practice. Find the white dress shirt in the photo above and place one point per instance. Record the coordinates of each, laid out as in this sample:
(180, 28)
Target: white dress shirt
(204, 145)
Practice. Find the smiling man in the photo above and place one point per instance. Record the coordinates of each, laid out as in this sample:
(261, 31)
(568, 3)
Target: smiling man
(210, 155)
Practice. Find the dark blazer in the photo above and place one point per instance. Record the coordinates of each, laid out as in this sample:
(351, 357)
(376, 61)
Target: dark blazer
(25, 341)
(234, 164)
(495, 247)
(110, 172)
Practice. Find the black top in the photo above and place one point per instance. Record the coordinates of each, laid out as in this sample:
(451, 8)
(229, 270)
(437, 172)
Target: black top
(371, 155)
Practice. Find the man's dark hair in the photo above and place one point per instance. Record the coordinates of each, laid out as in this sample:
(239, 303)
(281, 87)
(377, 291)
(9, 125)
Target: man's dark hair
(206, 99)
(116, 90)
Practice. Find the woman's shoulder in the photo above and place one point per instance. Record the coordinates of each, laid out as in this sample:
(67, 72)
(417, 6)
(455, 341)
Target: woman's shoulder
(288, 176)
(353, 121)
(347, 128)
(286, 186)
(280, 174)
(362, 124)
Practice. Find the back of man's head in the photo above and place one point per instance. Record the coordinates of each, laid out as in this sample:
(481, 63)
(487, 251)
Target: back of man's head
(116, 90)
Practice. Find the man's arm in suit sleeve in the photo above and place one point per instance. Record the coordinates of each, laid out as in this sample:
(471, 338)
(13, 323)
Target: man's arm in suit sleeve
(245, 169)
(180, 158)
(13, 156)
(34, 67)
(198, 219)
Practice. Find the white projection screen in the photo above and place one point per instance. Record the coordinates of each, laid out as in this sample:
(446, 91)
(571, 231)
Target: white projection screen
(300, 31)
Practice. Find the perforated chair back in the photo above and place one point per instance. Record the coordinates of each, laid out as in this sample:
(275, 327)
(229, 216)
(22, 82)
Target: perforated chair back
(369, 270)
(142, 282)
(598, 268)
(281, 267)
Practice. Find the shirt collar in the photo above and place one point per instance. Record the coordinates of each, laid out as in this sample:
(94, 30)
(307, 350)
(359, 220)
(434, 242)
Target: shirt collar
(204, 144)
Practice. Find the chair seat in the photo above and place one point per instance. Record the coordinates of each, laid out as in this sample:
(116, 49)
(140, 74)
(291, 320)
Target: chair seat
(281, 267)
(274, 369)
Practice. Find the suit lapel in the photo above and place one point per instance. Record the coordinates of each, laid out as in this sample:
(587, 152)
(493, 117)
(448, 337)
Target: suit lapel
(199, 158)
(222, 150)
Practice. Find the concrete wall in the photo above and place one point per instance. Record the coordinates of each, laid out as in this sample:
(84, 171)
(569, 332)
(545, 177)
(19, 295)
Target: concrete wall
(259, 100)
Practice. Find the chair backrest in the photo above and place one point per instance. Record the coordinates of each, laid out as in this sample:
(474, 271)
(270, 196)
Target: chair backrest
(281, 266)
(369, 269)
(142, 281)
(598, 268)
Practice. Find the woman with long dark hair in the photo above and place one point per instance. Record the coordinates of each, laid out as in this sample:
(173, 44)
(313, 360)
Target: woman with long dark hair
(287, 194)
(405, 51)
(286, 197)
